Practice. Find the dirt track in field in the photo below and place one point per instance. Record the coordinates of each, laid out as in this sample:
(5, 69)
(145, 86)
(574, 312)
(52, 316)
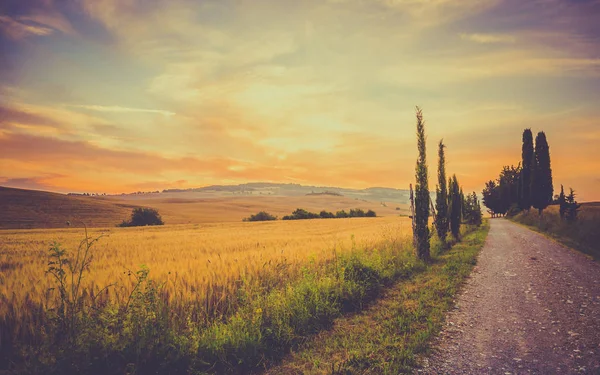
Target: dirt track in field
(531, 306)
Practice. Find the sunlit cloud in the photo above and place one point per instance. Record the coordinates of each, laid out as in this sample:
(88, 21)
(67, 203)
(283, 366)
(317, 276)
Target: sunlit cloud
(114, 108)
(488, 38)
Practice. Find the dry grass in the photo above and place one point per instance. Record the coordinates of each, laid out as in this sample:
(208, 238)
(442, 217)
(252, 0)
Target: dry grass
(191, 207)
(203, 263)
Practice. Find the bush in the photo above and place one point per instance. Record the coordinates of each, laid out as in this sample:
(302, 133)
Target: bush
(370, 213)
(326, 215)
(581, 234)
(513, 210)
(261, 216)
(341, 214)
(142, 216)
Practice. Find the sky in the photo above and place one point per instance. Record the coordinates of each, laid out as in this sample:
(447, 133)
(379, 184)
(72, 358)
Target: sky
(126, 95)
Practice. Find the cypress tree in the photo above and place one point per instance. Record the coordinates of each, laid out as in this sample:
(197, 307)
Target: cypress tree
(562, 201)
(441, 198)
(541, 191)
(455, 207)
(421, 228)
(528, 162)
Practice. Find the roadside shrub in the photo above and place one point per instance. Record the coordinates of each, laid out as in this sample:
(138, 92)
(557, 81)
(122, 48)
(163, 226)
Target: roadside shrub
(513, 210)
(142, 216)
(261, 216)
(581, 234)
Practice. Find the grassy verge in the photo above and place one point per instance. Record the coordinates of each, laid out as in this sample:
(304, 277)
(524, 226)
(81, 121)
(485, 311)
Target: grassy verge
(386, 338)
(582, 235)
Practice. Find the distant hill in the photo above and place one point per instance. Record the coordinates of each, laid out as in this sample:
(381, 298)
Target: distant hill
(382, 194)
(23, 209)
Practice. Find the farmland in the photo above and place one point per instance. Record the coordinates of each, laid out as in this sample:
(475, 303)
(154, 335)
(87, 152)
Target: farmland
(202, 272)
(196, 256)
(29, 209)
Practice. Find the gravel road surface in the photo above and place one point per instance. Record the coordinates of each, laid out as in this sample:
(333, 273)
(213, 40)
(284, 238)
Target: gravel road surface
(531, 306)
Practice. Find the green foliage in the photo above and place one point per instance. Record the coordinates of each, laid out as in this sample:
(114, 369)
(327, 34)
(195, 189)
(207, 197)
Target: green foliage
(562, 202)
(142, 216)
(261, 216)
(500, 195)
(541, 191)
(571, 207)
(326, 215)
(441, 200)
(301, 214)
(527, 165)
(341, 214)
(472, 210)
(455, 204)
(513, 210)
(421, 219)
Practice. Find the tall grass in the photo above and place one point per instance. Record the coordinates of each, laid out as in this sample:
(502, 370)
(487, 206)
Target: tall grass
(197, 277)
(583, 234)
(141, 332)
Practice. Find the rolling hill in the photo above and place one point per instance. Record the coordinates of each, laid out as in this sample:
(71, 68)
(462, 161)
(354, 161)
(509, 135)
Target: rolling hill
(24, 209)
(21, 208)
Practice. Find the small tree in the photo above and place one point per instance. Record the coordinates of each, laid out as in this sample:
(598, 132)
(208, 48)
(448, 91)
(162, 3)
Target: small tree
(370, 213)
(261, 216)
(562, 202)
(441, 198)
(142, 216)
(421, 228)
(571, 207)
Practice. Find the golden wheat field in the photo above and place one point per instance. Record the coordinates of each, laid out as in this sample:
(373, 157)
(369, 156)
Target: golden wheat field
(201, 263)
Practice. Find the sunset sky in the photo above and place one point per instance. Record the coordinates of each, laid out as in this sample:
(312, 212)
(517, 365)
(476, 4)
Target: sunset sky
(125, 95)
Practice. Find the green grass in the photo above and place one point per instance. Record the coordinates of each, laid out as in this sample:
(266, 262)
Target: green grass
(387, 337)
(582, 235)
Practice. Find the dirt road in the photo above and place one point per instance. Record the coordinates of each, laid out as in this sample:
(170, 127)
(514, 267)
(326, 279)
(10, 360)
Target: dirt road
(531, 306)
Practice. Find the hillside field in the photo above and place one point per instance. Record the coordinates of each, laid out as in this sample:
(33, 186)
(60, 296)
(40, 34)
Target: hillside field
(28, 209)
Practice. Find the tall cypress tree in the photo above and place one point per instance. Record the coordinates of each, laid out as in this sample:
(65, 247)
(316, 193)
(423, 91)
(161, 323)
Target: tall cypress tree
(455, 207)
(421, 228)
(541, 191)
(528, 163)
(441, 198)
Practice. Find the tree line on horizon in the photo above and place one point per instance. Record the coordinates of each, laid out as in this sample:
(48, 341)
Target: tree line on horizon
(529, 184)
(302, 214)
(451, 209)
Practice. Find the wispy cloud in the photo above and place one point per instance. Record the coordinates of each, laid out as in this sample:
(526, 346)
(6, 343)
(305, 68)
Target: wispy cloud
(18, 30)
(488, 38)
(115, 108)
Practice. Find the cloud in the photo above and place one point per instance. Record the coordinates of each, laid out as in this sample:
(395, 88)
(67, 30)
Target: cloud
(113, 108)
(488, 38)
(19, 30)
(12, 116)
(34, 183)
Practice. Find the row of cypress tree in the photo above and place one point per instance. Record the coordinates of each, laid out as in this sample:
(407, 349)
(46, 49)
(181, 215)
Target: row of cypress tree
(450, 203)
(527, 185)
